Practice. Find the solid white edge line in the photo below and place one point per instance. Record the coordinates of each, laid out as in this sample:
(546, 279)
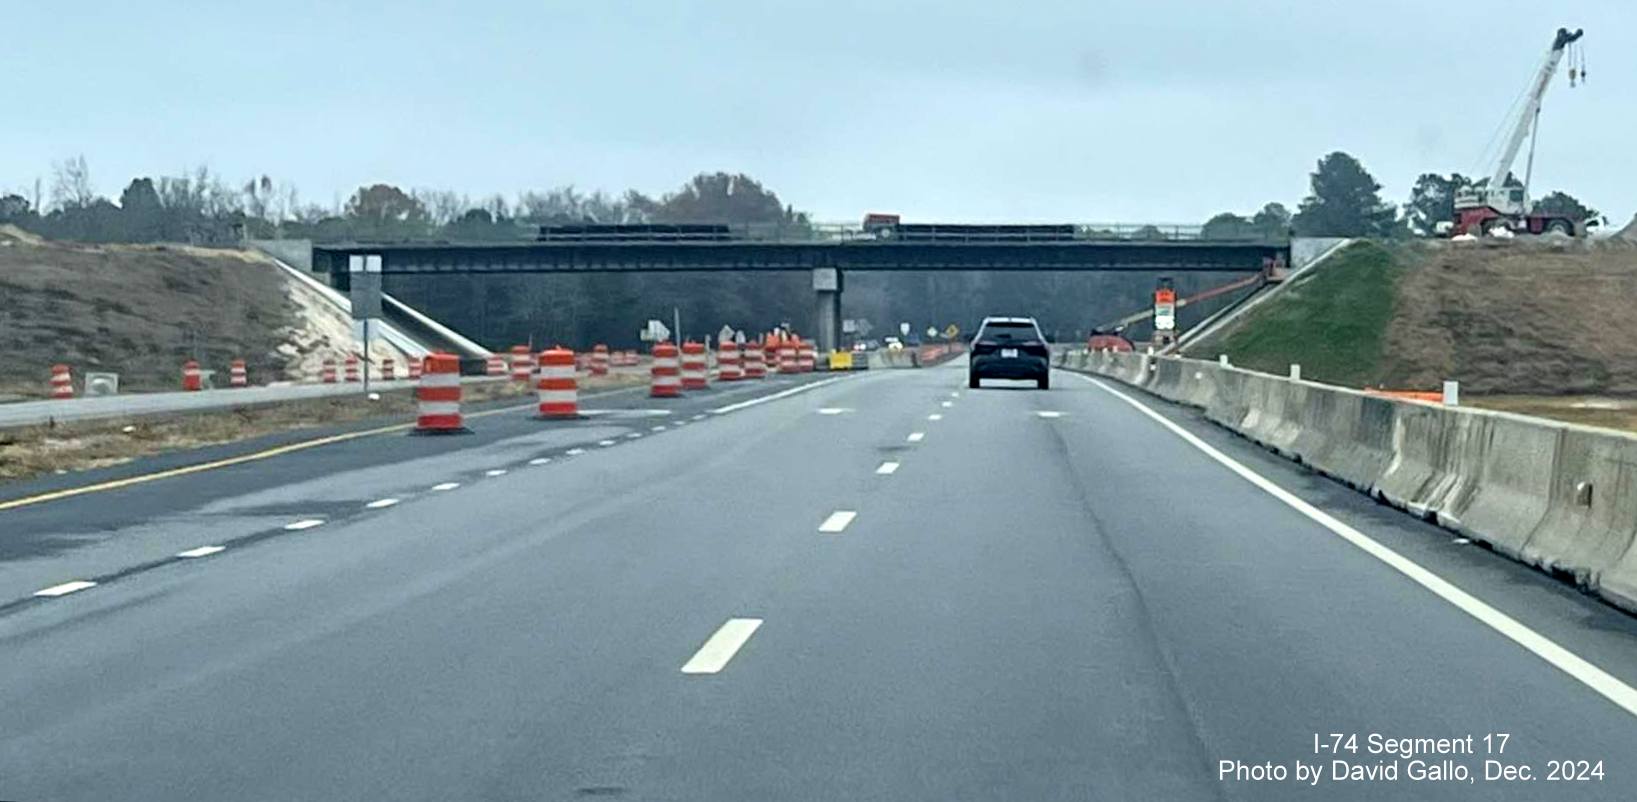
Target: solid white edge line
(64, 589)
(1600, 681)
(722, 645)
(887, 468)
(381, 503)
(202, 551)
(838, 521)
(775, 396)
(305, 523)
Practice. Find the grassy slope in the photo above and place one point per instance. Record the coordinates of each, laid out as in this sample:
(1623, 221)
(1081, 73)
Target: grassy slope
(1333, 322)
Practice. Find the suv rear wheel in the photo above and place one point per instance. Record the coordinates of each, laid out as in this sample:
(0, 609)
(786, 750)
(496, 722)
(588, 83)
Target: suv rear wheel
(1044, 382)
(972, 381)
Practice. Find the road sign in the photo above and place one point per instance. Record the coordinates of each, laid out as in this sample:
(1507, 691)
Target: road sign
(725, 335)
(931, 331)
(365, 292)
(903, 328)
(1165, 309)
(952, 331)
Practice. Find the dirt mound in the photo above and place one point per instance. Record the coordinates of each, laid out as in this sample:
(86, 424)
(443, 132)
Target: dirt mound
(1629, 233)
(142, 310)
(1521, 318)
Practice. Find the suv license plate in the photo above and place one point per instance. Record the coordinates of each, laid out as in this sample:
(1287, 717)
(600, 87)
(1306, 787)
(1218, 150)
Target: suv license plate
(1008, 353)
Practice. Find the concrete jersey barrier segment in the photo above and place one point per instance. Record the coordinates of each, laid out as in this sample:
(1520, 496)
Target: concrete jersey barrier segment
(1554, 495)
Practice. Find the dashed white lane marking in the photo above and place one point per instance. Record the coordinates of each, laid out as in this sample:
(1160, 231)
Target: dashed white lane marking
(605, 443)
(1610, 687)
(916, 437)
(381, 503)
(633, 435)
(954, 394)
(722, 646)
(1461, 541)
(1047, 413)
(574, 452)
(837, 521)
(656, 429)
(446, 486)
(680, 423)
(775, 396)
(65, 588)
(697, 417)
(540, 460)
(202, 551)
(832, 410)
(495, 472)
(934, 416)
(947, 404)
(887, 468)
(305, 523)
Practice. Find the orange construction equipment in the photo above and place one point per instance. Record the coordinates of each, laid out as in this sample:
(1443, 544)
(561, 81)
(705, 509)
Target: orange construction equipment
(236, 375)
(389, 368)
(495, 366)
(328, 374)
(192, 379)
(665, 378)
(62, 382)
(558, 386)
(522, 363)
(414, 369)
(727, 362)
(352, 369)
(755, 362)
(805, 356)
(438, 396)
(693, 366)
(599, 360)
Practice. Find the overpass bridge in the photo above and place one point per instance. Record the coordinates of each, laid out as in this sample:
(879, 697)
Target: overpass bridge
(827, 251)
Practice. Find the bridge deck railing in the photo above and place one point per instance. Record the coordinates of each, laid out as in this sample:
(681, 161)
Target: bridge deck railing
(919, 233)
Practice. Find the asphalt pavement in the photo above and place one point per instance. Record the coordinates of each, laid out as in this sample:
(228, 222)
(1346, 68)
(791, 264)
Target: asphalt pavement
(875, 586)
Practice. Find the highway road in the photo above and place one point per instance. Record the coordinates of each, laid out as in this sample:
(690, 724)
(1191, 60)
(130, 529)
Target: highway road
(881, 586)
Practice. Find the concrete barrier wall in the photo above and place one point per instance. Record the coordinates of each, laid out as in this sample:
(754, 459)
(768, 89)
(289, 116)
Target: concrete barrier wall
(1557, 496)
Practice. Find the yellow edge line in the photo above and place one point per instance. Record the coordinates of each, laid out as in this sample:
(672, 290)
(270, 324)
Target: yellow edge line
(115, 484)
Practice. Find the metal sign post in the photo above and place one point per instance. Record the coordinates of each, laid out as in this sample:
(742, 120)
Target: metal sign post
(365, 292)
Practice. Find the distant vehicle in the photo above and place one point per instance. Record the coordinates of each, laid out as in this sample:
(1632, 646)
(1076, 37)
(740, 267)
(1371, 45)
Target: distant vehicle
(1009, 348)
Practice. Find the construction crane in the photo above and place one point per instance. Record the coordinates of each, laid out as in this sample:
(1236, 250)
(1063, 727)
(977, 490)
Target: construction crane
(1497, 207)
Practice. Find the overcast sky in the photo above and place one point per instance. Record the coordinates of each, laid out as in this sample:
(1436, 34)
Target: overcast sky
(950, 110)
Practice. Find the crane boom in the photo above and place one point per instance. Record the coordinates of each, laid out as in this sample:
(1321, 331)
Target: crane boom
(1531, 110)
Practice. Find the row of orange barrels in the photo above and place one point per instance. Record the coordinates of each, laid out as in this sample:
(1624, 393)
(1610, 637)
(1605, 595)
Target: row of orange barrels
(675, 369)
(62, 377)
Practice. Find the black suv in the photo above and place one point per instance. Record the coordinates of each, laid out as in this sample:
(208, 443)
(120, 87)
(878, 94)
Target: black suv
(1009, 348)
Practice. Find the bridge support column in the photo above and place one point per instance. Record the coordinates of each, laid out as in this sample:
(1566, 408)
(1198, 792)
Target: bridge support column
(827, 311)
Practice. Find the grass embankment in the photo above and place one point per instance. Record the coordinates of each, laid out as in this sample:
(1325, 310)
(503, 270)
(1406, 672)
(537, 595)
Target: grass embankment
(80, 445)
(1333, 321)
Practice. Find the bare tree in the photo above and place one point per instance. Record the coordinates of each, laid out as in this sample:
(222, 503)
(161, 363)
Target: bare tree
(71, 186)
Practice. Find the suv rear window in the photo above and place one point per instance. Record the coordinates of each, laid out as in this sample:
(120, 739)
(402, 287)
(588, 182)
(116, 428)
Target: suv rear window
(1012, 332)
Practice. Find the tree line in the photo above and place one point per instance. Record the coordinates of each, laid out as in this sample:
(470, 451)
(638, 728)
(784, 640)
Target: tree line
(200, 207)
